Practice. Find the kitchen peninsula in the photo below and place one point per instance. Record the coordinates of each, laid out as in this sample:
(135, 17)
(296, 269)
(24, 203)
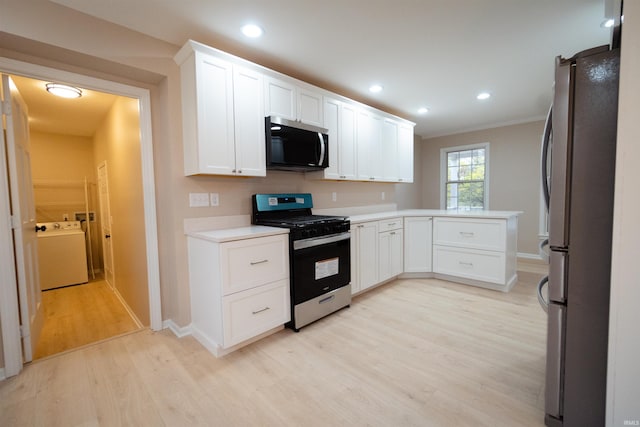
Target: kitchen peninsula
(472, 247)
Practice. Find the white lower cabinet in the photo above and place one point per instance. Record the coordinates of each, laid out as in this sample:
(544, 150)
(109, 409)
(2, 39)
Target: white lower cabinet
(482, 251)
(364, 256)
(417, 244)
(239, 289)
(390, 260)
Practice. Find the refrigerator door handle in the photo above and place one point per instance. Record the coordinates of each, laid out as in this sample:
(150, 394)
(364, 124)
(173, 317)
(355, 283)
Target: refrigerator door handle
(543, 302)
(544, 161)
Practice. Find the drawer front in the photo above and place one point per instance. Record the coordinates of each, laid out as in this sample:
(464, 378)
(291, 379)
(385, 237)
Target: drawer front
(390, 224)
(488, 234)
(469, 263)
(253, 262)
(250, 313)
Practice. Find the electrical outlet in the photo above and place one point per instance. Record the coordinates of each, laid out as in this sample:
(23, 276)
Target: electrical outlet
(197, 200)
(382, 195)
(215, 199)
(334, 196)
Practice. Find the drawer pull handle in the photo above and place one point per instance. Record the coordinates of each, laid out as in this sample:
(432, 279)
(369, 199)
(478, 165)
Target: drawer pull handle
(260, 311)
(466, 264)
(391, 224)
(467, 233)
(259, 262)
(327, 299)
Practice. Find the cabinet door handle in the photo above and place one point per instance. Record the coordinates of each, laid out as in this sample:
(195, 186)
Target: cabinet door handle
(467, 233)
(258, 262)
(260, 311)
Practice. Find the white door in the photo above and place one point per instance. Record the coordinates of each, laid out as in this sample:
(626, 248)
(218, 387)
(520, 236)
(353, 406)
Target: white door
(105, 224)
(23, 215)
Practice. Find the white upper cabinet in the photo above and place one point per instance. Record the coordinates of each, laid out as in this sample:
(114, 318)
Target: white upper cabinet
(389, 147)
(340, 120)
(222, 116)
(369, 139)
(225, 100)
(293, 102)
(405, 153)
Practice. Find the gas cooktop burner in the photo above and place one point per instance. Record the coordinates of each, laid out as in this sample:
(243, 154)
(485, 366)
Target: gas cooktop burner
(293, 211)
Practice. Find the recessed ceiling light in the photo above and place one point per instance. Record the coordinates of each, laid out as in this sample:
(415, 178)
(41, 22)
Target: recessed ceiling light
(375, 88)
(252, 30)
(423, 110)
(607, 23)
(483, 95)
(63, 91)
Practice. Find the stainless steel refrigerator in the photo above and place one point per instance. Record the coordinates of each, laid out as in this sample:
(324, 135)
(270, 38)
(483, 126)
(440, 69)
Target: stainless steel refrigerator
(580, 147)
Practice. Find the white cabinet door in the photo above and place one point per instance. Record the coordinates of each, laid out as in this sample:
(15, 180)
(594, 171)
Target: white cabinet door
(280, 99)
(417, 244)
(340, 120)
(390, 256)
(310, 107)
(286, 100)
(249, 123)
(332, 123)
(389, 150)
(347, 142)
(365, 256)
(405, 153)
(369, 128)
(210, 140)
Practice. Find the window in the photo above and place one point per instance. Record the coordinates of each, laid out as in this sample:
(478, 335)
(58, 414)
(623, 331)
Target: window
(464, 172)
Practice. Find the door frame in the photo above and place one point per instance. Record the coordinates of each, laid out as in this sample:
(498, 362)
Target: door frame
(9, 318)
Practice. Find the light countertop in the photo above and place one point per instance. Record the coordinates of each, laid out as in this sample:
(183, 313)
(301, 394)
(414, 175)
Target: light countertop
(434, 212)
(240, 233)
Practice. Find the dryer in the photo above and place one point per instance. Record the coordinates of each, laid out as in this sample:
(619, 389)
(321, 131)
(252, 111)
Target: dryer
(62, 256)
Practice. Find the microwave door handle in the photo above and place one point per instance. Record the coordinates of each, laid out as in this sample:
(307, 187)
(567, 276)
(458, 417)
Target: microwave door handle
(322, 149)
(546, 142)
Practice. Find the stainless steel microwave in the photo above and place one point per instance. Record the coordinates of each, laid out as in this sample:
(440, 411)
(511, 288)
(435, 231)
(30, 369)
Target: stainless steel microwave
(295, 146)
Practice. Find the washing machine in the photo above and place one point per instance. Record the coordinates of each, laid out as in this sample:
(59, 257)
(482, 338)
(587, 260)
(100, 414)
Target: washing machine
(62, 256)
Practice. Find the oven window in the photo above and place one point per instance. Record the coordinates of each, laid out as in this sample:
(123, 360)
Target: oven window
(320, 269)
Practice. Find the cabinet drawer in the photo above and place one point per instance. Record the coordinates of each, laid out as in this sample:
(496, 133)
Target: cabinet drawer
(254, 262)
(489, 234)
(390, 224)
(470, 263)
(250, 313)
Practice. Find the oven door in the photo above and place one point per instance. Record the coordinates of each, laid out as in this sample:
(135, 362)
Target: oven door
(320, 265)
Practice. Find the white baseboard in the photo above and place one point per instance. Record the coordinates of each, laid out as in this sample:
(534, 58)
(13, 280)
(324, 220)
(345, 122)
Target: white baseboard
(525, 255)
(126, 307)
(178, 331)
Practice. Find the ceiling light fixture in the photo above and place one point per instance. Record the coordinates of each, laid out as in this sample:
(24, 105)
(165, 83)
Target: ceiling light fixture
(252, 31)
(483, 95)
(423, 110)
(63, 91)
(375, 88)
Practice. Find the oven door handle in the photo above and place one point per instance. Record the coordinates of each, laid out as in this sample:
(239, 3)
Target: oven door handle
(318, 241)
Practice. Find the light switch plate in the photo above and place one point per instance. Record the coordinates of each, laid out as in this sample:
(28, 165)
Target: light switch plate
(197, 200)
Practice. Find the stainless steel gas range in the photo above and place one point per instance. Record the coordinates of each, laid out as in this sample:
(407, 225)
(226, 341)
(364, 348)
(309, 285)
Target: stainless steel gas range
(319, 254)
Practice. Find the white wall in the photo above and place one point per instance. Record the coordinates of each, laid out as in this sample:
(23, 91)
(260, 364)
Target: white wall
(623, 379)
(514, 173)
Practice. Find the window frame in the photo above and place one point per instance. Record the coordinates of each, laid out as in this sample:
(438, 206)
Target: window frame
(443, 171)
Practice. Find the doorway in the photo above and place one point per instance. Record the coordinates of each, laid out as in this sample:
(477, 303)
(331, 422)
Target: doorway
(9, 305)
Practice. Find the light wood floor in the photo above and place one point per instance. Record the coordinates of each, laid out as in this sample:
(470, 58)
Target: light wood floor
(79, 315)
(409, 353)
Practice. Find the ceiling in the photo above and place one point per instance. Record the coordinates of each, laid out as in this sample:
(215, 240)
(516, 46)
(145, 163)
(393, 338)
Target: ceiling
(51, 114)
(434, 53)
